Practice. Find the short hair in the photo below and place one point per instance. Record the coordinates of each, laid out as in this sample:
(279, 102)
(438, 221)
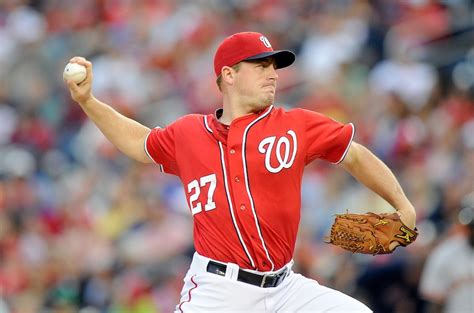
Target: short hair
(236, 67)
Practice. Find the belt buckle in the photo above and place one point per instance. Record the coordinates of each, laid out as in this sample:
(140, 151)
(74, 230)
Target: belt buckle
(280, 276)
(264, 279)
(277, 277)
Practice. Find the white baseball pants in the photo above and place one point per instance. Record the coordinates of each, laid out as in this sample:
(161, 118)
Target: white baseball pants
(208, 292)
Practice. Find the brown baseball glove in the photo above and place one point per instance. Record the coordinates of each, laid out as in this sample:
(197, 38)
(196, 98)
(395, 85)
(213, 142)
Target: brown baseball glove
(370, 233)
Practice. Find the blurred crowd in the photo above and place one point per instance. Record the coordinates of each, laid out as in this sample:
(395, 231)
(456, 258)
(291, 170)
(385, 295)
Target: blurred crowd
(84, 229)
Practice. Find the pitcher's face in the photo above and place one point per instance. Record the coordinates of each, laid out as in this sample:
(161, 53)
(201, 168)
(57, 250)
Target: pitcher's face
(256, 83)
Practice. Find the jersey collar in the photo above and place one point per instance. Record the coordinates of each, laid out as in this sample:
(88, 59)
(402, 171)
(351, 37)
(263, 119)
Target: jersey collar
(220, 130)
(218, 113)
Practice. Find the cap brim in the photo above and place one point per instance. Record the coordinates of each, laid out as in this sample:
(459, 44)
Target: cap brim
(283, 58)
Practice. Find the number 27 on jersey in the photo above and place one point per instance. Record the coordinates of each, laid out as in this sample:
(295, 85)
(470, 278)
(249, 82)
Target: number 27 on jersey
(194, 188)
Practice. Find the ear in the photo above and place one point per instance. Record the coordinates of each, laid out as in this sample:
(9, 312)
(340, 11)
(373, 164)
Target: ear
(228, 75)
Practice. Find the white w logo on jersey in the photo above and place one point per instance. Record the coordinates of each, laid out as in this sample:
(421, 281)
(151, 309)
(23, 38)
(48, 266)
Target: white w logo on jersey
(283, 143)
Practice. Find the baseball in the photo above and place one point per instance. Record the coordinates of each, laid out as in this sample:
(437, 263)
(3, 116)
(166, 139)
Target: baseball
(75, 72)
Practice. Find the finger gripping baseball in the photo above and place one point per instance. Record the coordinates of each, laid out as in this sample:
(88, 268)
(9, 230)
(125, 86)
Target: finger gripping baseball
(370, 233)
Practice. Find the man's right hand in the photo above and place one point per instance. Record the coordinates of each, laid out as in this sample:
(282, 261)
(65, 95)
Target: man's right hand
(81, 92)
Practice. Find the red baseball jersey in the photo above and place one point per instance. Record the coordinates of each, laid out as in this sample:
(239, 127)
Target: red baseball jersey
(243, 181)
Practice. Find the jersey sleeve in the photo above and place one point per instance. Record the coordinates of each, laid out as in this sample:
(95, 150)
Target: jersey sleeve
(160, 147)
(326, 138)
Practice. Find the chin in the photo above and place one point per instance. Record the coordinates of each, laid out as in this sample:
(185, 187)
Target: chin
(262, 105)
(269, 100)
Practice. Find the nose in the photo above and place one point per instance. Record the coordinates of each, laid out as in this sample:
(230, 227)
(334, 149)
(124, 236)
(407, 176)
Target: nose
(272, 73)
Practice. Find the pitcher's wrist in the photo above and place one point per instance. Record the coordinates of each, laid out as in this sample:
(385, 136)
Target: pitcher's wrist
(88, 102)
(408, 217)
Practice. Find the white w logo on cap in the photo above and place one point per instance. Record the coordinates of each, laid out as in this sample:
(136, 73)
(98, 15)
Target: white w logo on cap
(265, 41)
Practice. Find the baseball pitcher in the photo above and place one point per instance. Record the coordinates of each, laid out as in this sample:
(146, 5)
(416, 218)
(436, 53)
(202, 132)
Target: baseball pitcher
(241, 168)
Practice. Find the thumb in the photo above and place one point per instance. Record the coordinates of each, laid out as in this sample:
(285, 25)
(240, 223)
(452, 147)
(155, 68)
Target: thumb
(393, 245)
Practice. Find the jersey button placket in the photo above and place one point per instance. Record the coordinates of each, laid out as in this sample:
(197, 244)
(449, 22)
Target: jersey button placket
(243, 207)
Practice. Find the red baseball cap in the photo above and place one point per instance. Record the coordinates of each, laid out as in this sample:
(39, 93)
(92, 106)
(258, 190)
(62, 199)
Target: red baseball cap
(248, 46)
